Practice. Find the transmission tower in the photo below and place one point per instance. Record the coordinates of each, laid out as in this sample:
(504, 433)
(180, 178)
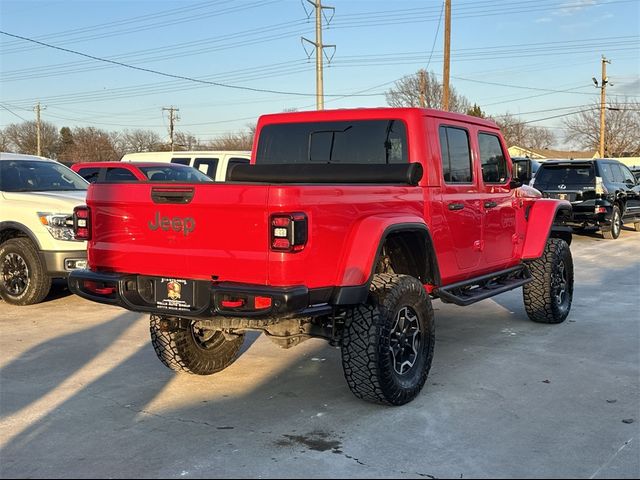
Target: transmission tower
(319, 48)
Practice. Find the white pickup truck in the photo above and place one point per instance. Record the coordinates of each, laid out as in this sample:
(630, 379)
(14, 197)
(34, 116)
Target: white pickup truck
(37, 244)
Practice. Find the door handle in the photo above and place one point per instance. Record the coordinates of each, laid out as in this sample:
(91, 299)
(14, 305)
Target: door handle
(490, 204)
(456, 206)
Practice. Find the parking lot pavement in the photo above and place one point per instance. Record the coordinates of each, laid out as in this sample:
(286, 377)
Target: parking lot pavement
(82, 394)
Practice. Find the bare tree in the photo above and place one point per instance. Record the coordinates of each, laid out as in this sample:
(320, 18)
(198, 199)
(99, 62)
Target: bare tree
(5, 144)
(23, 138)
(140, 140)
(517, 132)
(235, 141)
(94, 145)
(186, 141)
(622, 121)
(406, 93)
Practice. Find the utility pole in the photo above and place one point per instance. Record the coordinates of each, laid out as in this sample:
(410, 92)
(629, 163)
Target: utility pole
(37, 109)
(172, 119)
(319, 47)
(423, 89)
(447, 54)
(603, 86)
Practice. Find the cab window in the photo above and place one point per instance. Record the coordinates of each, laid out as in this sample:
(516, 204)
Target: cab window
(492, 158)
(456, 155)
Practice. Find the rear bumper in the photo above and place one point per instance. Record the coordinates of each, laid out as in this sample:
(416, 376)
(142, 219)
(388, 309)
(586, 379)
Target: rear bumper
(585, 215)
(136, 293)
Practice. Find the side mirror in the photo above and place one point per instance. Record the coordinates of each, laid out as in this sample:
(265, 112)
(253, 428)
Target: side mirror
(515, 183)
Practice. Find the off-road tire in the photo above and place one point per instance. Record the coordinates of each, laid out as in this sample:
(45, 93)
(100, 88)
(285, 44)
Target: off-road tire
(182, 352)
(20, 262)
(613, 231)
(547, 299)
(369, 366)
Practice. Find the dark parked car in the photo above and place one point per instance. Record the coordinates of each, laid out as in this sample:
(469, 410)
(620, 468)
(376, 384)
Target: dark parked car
(604, 193)
(112, 172)
(524, 169)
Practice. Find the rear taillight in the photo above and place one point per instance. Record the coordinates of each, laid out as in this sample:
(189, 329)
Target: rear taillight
(289, 232)
(82, 223)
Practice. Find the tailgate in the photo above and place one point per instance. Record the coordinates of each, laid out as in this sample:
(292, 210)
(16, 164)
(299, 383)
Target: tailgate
(181, 231)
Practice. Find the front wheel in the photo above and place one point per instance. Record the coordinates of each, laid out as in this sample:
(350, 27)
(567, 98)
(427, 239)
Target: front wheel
(387, 344)
(200, 352)
(547, 299)
(23, 279)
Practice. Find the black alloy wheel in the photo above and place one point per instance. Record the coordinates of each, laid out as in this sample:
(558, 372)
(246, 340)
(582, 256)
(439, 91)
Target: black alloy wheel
(405, 340)
(15, 274)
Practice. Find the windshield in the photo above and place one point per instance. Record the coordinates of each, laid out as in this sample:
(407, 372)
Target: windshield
(37, 176)
(359, 141)
(174, 174)
(565, 174)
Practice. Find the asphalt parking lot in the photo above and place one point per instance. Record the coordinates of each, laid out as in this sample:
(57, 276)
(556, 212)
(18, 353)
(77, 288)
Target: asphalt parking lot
(82, 394)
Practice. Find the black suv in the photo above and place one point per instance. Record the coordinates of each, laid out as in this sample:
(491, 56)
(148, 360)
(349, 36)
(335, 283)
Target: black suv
(604, 193)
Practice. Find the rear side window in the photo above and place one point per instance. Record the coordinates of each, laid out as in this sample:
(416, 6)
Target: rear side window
(358, 141)
(456, 155)
(89, 174)
(119, 175)
(618, 176)
(181, 160)
(494, 164)
(208, 166)
(555, 175)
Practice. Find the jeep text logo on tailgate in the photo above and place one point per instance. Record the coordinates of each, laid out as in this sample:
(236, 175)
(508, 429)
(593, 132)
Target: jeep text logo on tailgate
(185, 225)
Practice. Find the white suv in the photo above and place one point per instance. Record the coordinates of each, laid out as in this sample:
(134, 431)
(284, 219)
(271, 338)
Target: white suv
(213, 163)
(37, 197)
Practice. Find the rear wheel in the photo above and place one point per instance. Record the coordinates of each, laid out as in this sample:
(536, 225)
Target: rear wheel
(613, 232)
(200, 352)
(388, 344)
(547, 299)
(23, 279)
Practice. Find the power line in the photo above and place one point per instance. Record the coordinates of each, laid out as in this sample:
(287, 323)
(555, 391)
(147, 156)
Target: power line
(136, 29)
(148, 70)
(14, 113)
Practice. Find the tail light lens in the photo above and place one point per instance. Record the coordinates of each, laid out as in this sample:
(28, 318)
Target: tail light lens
(289, 232)
(82, 223)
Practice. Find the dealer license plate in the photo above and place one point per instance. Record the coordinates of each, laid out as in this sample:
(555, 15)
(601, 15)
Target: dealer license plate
(174, 293)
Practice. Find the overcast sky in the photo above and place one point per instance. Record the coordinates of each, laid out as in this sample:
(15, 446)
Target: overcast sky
(533, 58)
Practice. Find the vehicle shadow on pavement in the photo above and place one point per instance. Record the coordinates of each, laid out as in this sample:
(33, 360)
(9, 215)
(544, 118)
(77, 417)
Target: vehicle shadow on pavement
(269, 399)
(45, 366)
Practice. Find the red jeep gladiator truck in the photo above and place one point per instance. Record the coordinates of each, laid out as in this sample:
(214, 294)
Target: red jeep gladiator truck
(344, 226)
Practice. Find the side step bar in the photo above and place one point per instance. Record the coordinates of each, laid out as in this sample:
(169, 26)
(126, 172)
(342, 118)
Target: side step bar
(475, 289)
